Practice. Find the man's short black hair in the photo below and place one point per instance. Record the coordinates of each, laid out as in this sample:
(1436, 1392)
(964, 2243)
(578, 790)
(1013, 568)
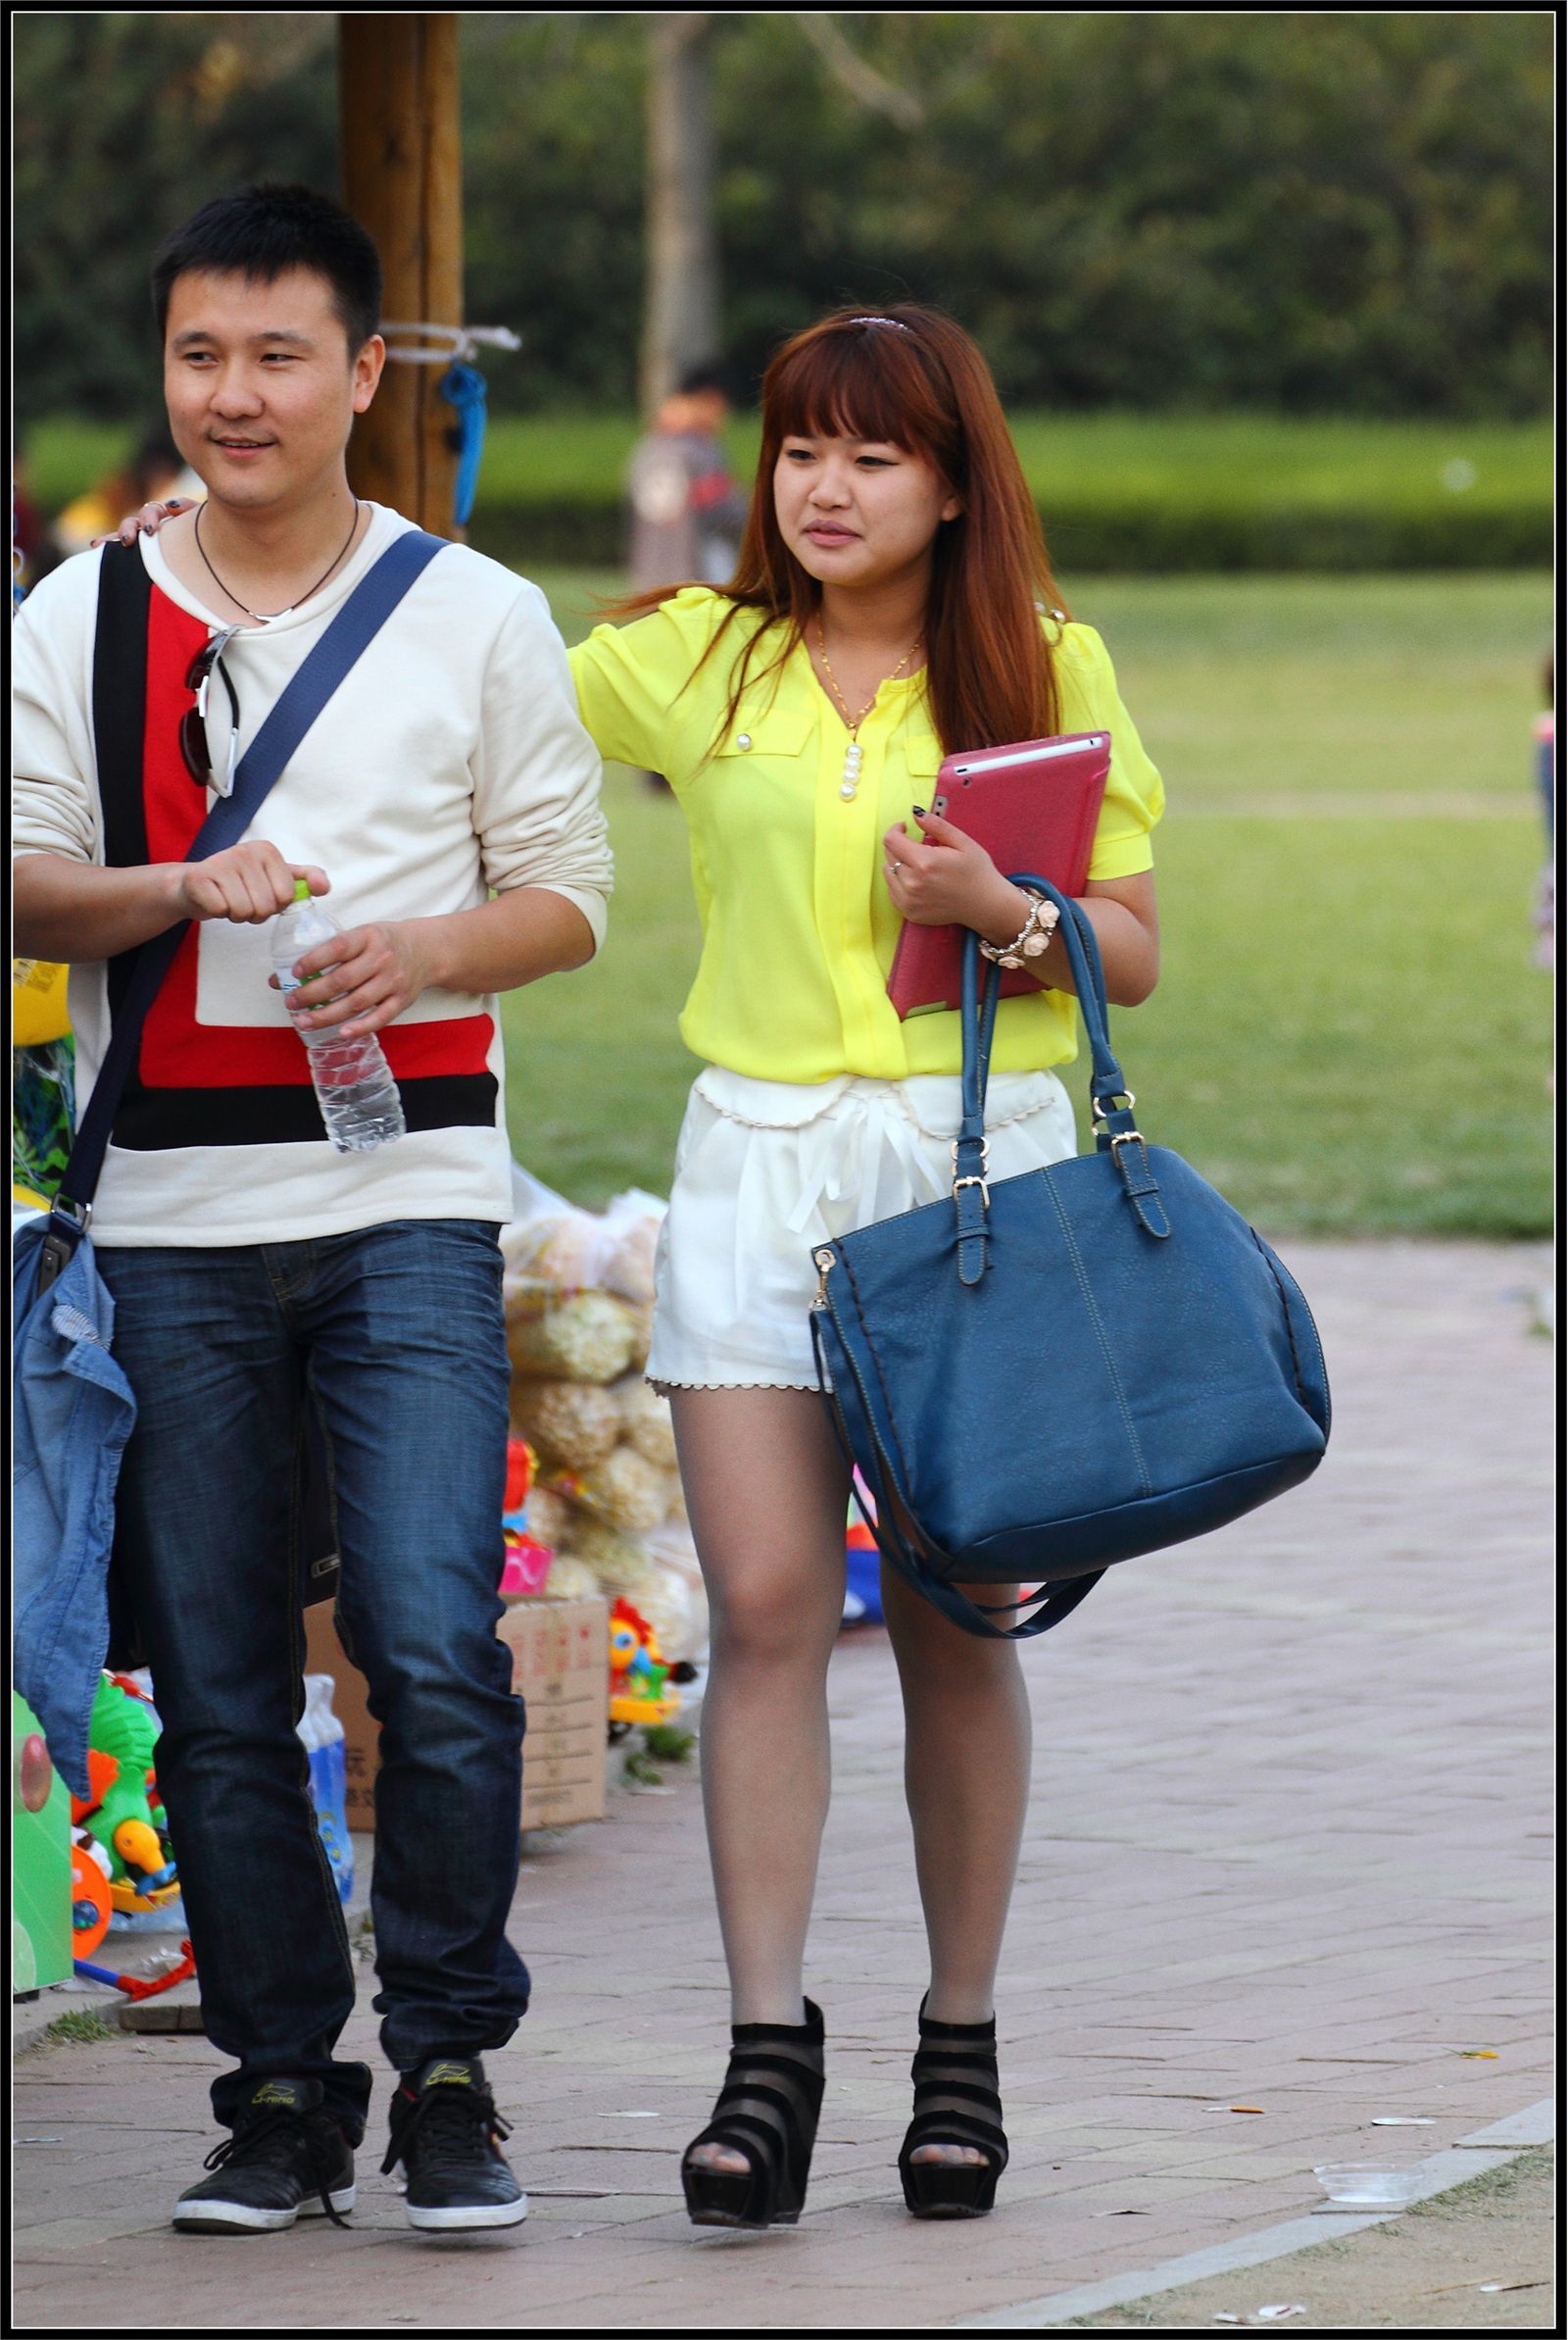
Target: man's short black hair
(709, 375)
(263, 232)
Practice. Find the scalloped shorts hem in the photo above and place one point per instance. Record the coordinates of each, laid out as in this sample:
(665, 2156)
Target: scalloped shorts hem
(665, 1386)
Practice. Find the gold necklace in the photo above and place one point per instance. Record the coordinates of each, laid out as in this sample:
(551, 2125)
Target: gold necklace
(855, 754)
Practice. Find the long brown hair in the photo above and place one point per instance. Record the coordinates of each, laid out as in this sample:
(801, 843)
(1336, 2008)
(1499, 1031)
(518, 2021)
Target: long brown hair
(909, 376)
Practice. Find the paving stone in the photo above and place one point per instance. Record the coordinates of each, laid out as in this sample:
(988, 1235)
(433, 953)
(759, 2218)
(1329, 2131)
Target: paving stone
(1290, 1845)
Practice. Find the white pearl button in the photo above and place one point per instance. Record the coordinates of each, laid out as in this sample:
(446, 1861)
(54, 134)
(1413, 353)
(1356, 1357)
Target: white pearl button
(743, 739)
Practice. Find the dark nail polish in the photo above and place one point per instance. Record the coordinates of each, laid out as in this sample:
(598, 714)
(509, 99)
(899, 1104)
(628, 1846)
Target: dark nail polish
(919, 812)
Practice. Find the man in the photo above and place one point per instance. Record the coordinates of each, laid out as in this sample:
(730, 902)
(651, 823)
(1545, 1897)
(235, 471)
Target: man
(256, 1271)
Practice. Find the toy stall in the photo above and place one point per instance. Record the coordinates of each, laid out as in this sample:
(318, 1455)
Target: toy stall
(605, 1617)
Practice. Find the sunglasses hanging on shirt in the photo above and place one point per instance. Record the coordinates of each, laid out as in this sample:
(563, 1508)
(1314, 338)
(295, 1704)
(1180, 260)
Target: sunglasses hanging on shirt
(193, 743)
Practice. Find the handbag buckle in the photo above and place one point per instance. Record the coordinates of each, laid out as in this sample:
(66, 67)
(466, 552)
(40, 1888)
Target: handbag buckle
(1126, 1137)
(978, 1180)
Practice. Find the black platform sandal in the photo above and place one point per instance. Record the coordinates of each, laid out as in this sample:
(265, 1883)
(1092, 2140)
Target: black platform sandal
(955, 2103)
(767, 2112)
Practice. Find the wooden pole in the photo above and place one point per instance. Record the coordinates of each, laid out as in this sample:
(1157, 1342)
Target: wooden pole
(402, 173)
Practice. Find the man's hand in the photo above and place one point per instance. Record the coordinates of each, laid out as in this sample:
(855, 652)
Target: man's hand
(247, 884)
(947, 879)
(363, 980)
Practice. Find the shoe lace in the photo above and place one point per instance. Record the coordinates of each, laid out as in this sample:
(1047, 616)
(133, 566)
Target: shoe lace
(447, 2128)
(274, 2140)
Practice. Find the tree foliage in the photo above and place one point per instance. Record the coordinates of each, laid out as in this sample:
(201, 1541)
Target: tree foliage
(1311, 212)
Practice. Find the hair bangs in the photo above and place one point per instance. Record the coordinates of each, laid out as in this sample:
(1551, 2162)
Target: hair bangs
(856, 383)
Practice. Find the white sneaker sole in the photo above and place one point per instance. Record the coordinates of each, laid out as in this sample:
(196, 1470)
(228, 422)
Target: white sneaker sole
(457, 2222)
(244, 2217)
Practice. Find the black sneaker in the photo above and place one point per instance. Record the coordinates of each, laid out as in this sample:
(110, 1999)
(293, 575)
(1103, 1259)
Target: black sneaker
(286, 2159)
(444, 2128)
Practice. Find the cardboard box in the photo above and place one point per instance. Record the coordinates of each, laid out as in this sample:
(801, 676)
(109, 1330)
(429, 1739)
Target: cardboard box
(561, 1667)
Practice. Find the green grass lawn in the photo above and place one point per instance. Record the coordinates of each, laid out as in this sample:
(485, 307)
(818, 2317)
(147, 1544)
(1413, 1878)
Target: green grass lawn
(1348, 1035)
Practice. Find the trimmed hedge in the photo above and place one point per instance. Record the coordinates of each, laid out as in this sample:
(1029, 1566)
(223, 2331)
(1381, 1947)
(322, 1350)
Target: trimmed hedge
(1121, 494)
(1138, 541)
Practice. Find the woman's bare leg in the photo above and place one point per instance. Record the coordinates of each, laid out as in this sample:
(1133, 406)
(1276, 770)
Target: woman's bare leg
(768, 1494)
(967, 1752)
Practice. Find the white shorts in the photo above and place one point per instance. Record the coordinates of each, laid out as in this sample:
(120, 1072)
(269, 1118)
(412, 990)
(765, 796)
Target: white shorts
(765, 1169)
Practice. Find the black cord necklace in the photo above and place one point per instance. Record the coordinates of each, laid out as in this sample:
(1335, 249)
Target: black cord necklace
(293, 605)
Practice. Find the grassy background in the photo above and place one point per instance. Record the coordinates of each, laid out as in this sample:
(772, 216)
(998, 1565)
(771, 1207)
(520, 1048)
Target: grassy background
(1132, 492)
(1348, 1034)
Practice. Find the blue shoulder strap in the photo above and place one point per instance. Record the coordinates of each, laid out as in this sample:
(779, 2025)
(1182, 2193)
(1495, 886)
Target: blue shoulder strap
(301, 701)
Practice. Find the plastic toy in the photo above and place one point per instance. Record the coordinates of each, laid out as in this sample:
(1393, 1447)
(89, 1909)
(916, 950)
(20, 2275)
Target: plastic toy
(640, 1690)
(143, 1986)
(90, 1906)
(123, 1814)
(40, 1859)
(863, 1576)
(527, 1561)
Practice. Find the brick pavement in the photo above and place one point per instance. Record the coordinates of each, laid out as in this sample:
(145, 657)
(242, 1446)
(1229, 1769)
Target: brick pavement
(1289, 1849)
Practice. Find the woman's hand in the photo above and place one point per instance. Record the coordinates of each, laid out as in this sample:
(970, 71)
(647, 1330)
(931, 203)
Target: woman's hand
(946, 880)
(362, 979)
(149, 519)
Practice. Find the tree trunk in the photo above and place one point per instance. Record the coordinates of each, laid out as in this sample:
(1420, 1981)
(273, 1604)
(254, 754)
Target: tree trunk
(402, 174)
(680, 326)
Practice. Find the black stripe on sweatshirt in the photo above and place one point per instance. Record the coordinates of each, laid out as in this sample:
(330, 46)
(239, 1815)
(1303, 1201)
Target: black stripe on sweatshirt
(155, 1120)
(119, 720)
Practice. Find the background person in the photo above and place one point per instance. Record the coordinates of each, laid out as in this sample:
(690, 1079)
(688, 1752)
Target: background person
(155, 472)
(892, 601)
(685, 510)
(253, 1269)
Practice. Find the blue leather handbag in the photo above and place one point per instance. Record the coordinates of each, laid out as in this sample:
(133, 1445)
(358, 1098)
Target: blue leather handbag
(1041, 1376)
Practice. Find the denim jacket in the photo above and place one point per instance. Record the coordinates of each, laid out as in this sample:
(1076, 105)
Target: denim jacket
(73, 1414)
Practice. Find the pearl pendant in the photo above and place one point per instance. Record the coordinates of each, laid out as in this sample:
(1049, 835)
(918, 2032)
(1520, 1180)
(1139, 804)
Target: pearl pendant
(854, 758)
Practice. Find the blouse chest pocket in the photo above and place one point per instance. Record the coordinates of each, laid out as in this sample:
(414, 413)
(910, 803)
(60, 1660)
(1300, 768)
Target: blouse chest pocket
(786, 731)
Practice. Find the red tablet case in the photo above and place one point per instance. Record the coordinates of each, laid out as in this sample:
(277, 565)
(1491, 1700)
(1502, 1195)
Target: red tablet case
(1033, 806)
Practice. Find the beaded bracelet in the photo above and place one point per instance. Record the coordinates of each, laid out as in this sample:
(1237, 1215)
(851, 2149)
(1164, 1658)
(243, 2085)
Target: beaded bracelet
(1032, 938)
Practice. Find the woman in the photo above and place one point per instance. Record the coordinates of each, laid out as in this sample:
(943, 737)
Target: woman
(892, 602)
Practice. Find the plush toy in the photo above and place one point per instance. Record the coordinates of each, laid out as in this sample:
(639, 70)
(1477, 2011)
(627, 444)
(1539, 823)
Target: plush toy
(123, 1814)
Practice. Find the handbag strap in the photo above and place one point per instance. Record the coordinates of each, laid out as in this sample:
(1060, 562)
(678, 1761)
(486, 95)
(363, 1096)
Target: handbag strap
(1114, 1124)
(302, 699)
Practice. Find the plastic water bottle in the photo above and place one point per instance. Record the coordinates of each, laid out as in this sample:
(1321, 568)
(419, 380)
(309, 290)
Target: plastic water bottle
(354, 1085)
(324, 1738)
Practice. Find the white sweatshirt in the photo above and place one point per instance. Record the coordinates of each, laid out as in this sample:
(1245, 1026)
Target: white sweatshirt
(449, 763)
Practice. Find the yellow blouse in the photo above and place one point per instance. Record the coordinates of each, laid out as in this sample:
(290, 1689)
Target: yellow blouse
(798, 927)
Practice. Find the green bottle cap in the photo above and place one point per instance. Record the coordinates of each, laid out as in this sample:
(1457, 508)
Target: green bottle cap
(302, 889)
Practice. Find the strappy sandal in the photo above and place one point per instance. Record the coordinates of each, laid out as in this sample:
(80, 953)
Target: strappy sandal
(766, 2112)
(955, 2103)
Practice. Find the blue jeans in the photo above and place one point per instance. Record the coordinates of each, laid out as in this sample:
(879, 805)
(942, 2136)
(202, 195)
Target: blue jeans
(397, 1332)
